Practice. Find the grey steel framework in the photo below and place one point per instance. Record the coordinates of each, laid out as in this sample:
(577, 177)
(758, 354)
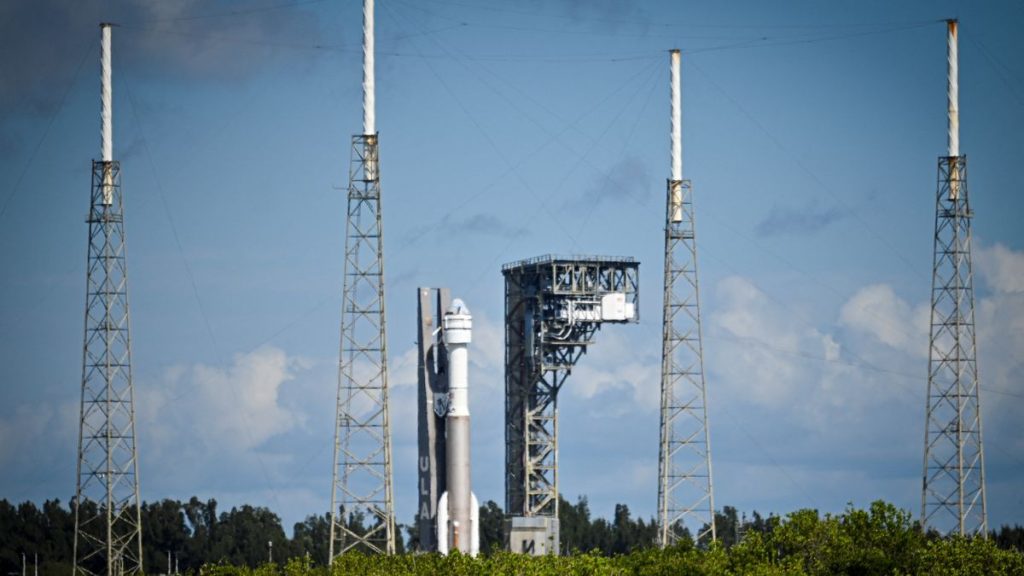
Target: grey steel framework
(685, 493)
(545, 335)
(362, 505)
(108, 534)
(953, 491)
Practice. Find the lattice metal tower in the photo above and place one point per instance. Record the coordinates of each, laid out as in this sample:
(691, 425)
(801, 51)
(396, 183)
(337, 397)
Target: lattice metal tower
(108, 532)
(953, 487)
(554, 307)
(685, 495)
(362, 505)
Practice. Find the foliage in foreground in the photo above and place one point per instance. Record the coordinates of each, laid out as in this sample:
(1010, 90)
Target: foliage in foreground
(882, 540)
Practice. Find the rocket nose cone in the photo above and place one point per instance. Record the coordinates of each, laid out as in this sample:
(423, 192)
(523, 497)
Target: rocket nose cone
(458, 307)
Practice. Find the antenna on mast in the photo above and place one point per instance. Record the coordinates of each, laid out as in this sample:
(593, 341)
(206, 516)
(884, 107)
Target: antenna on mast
(952, 89)
(106, 115)
(953, 105)
(108, 527)
(953, 487)
(675, 181)
(369, 78)
(685, 494)
(677, 115)
(362, 475)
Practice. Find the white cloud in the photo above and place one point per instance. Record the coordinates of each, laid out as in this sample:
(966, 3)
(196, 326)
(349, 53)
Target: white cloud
(486, 357)
(487, 352)
(999, 321)
(831, 348)
(748, 334)
(403, 368)
(877, 310)
(617, 361)
(1001, 268)
(761, 355)
(225, 410)
(589, 379)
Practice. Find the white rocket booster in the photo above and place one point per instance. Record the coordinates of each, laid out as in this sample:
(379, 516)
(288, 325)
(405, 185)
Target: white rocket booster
(458, 509)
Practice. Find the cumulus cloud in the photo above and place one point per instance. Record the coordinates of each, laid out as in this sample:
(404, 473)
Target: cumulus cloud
(762, 354)
(999, 320)
(1001, 268)
(614, 363)
(878, 313)
(746, 316)
(488, 352)
(899, 329)
(877, 310)
(1000, 334)
(226, 410)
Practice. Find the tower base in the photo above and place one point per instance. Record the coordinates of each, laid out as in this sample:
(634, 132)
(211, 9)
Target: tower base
(534, 535)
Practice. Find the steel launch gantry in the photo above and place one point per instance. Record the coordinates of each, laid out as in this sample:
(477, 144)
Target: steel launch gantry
(554, 307)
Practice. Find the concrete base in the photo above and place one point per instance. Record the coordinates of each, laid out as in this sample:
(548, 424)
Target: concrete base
(534, 535)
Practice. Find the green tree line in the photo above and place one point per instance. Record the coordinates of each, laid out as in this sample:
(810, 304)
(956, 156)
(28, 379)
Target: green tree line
(882, 539)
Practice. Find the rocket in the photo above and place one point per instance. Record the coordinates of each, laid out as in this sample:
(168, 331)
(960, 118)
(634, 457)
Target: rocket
(458, 510)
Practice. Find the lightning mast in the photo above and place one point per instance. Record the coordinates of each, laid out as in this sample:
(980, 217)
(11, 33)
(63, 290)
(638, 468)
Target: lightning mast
(685, 492)
(108, 532)
(953, 487)
(361, 487)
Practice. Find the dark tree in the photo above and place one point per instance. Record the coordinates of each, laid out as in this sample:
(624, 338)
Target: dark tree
(244, 535)
(202, 521)
(492, 527)
(311, 536)
(164, 532)
(1010, 537)
(574, 525)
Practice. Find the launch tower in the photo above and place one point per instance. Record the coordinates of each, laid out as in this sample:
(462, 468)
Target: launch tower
(554, 307)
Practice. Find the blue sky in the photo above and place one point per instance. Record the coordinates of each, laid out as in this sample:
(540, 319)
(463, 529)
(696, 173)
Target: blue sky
(509, 130)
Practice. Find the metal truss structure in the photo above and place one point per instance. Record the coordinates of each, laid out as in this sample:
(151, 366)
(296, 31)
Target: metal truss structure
(554, 306)
(108, 533)
(685, 495)
(953, 490)
(362, 504)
